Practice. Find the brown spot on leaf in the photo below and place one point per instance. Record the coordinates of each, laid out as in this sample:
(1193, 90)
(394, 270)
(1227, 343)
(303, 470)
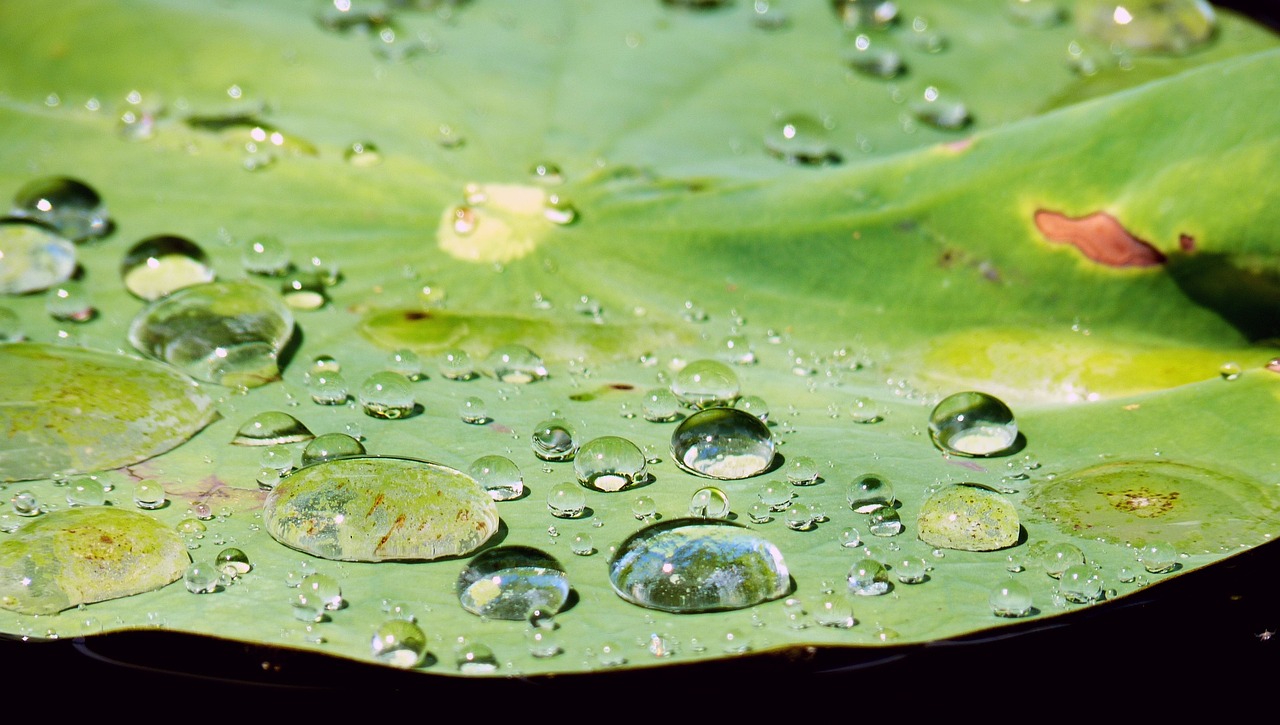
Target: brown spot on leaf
(1100, 237)
(415, 315)
(1186, 242)
(1142, 502)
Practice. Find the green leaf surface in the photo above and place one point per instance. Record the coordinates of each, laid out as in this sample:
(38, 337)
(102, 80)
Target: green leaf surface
(913, 262)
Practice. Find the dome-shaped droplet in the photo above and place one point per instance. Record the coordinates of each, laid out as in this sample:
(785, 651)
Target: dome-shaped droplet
(1010, 599)
(1059, 557)
(566, 500)
(706, 384)
(1169, 26)
(223, 332)
(157, 266)
(973, 424)
(330, 446)
(969, 517)
(68, 205)
(709, 503)
(553, 440)
(399, 643)
(802, 471)
(609, 463)
(377, 508)
(867, 577)
(800, 139)
(500, 477)
(660, 406)
(266, 256)
(271, 428)
(940, 110)
(869, 492)
(515, 364)
(387, 395)
(698, 565)
(1080, 584)
(455, 364)
(33, 257)
(722, 443)
(872, 58)
(509, 582)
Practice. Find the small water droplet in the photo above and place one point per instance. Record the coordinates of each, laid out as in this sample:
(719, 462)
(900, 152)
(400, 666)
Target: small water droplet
(232, 562)
(400, 643)
(473, 411)
(802, 471)
(70, 302)
(455, 364)
(1158, 557)
(1229, 370)
(869, 492)
(515, 364)
(849, 538)
(911, 570)
(873, 59)
(500, 477)
(801, 139)
(1010, 599)
(149, 495)
(643, 508)
(566, 500)
(474, 658)
(799, 517)
(330, 446)
(1035, 13)
(884, 521)
(709, 503)
(940, 110)
(387, 395)
(86, 491)
(755, 405)
(33, 257)
(554, 440)
(866, 411)
(867, 577)
(68, 205)
(775, 495)
(866, 14)
(1057, 558)
(201, 578)
(362, 154)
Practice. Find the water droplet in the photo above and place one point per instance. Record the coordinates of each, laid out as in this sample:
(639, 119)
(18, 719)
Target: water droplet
(201, 578)
(1035, 13)
(149, 495)
(866, 14)
(969, 517)
(449, 137)
(86, 492)
(775, 495)
(566, 500)
(553, 440)
(33, 257)
(582, 545)
(324, 588)
(698, 565)
(70, 302)
(362, 154)
(328, 388)
(869, 492)
(867, 577)
(1229, 370)
(799, 517)
(871, 58)
(270, 429)
(755, 405)
(884, 521)
(304, 290)
(1158, 557)
(1057, 558)
(722, 443)
(1010, 599)
(706, 384)
(559, 210)
(801, 139)
(1166, 26)
(405, 362)
(10, 324)
(192, 330)
(515, 364)
(940, 110)
(547, 173)
(473, 411)
(509, 582)
(160, 265)
(543, 642)
(834, 610)
(709, 503)
(233, 562)
(399, 643)
(1080, 584)
(68, 205)
(455, 364)
(973, 424)
(330, 446)
(911, 570)
(500, 477)
(387, 395)
(609, 463)
(866, 411)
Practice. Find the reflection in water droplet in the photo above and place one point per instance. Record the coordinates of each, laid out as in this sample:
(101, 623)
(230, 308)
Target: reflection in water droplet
(802, 471)
(68, 205)
(33, 257)
(973, 424)
(515, 364)
(1080, 584)
(566, 500)
(609, 463)
(660, 406)
(330, 446)
(159, 265)
(553, 440)
(232, 562)
(722, 443)
(1158, 557)
(264, 255)
(873, 59)
(304, 290)
(867, 577)
(149, 495)
(559, 210)
(223, 332)
(1168, 26)
(455, 364)
(697, 565)
(834, 610)
(399, 643)
(70, 302)
(869, 492)
(866, 411)
(706, 384)
(911, 570)
(547, 173)
(1229, 370)
(328, 388)
(884, 521)
(1010, 599)
(755, 405)
(1057, 558)
(709, 503)
(386, 395)
(472, 410)
(201, 578)
(801, 139)
(271, 428)
(500, 477)
(407, 363)
(25, 503)
(509, 582)
(940, 111)
(86, 492)
(799, 517)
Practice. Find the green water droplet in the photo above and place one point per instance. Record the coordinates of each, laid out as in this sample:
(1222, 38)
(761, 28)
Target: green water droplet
(1057, 558)
(271, 428)
(362, 154)
(387, 395)
(723, 443)
(406, 362)
(33, 257)
(1080, 584)
(698, 565)
(868, 578)
(968, 516)
(201, 578)
(1158, 557)
(660, 406)
(304, 290)
(328, 388)
(149, 495)
(330, 446)
(884, 521)
(940, 110)
(86, 492)
(865, 14)
(1165, 26)
(869, 492)
(872, 58)
(70, 301)
(1035, 13)
(159, 265)
(500, 477)
(553, 440)
(802, 471)
(515, 364)
(709, 503)
(68, 205)
(455, 364)
(609, 463)
(399, 643)
(801, 139)
(566, 500)
(973, 424)
(509, 582)
(799, 517)
(473, 411)
(1010, 599)
(232, 562)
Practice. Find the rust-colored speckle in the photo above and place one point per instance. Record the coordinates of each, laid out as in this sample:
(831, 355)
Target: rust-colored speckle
(377, 501)
(415, 315)
(622, 386)
(1100, 237)
(1186, 242)
(1142, 502)
(387, 536)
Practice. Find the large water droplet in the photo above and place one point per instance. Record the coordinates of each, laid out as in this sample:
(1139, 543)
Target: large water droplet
(509, 582)
(969, 517)
(399, 643)
(32, 257)
(973, 424)
(1170, 26)
(723, 443)
(801, 139)
(609, 463)
(1010, 599)
(706, 384)
(223, 332)
(68, 205)
(157, 266)
(698, 565)
(387, 395)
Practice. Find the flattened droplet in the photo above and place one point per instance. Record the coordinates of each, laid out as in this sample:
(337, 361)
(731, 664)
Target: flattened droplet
(272, 428)
(32, 257)
(376, 508)
(698, 565)
(68, 205)
(723, 443)
(510, 582)
(229, 333)
(158, 265)
(75, 410)
(85, 555)
(968, 517)
(1170, 26)
(1132, 501)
